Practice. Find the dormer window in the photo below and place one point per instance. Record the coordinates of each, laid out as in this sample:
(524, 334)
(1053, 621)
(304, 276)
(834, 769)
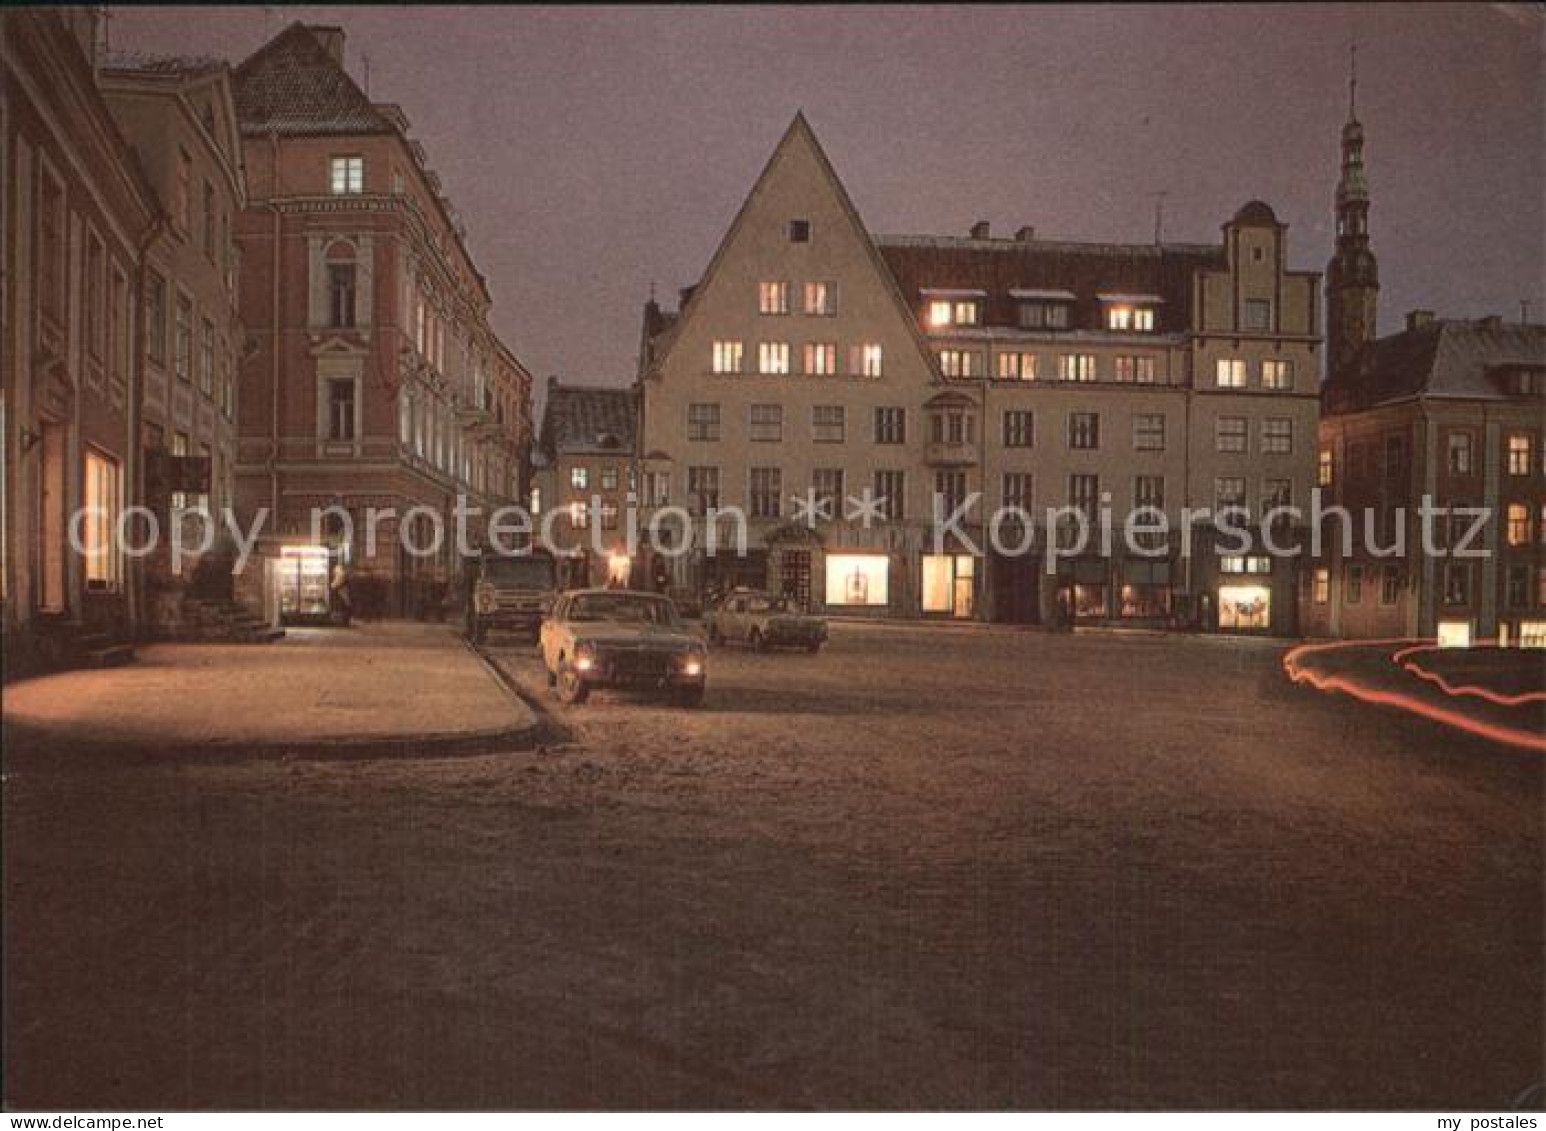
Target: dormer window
(1129, 313)
(1042, 309)
(954, 308)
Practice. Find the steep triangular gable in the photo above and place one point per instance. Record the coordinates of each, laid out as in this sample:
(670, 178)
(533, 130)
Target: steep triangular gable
(798, 168)
(291, 85)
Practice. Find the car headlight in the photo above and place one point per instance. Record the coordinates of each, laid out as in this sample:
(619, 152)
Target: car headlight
(692, 662)
(584, 656)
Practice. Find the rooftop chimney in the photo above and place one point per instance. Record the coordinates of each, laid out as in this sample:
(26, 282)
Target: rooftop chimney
(980, 230)
(331, 38)
(1025, 234)
(1417, 319)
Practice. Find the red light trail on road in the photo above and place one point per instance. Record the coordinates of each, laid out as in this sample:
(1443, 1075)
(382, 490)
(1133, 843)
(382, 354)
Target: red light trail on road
(1350, 685)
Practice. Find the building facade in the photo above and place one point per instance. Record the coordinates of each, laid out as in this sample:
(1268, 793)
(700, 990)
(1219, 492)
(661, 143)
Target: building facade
(376, 391)
(882, 382)
(178, 117)
(586, 484)
(76, 218)
(1443, 417)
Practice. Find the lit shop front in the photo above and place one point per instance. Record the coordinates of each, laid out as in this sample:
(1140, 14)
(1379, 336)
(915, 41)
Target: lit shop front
(1245, 593)
(858, 581)
(303, 578)
(949, 585)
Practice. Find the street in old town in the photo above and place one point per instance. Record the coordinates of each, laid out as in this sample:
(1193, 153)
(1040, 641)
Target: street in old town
(928, 867)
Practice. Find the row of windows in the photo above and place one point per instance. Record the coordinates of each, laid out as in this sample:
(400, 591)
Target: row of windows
(818, 299)
(1041, 314)
(1459, 457)
(765, 491)
(1457, 585)
(1275, 374)
(765, 424)
(197, 353)
(820, 359)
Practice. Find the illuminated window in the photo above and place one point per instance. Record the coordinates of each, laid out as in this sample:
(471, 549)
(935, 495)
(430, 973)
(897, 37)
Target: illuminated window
(954, 312)
(1518, 524)
(1084, 431)
(703, 422)
(1519, 455)
(579, 514)
(857, 579)
(579, 478)
(1229, 434)
(1019, 428)
(827, 423)
(773, 358)
(869, 360)
(1322, 585)
(103, 502)
(767, 489)
(1149, 432)
(348, 175)
(767, 423)
(1017, 367)
(1245, 563)
(1229, 373)
(1123, 317)
(1076, 367)
(1277, 374)
(773, 298)
(1459, 453)
(1277, 435)
(891, 492)
(657, 488)
(820, 359)
(1323, 468)
(960, 363)
(821, 299)
(727, 357)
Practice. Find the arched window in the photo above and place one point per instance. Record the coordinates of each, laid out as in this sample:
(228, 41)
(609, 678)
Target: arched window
(341, 279)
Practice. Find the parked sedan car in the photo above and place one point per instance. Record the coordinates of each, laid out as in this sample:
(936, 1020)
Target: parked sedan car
(621, 638)
(764, 621)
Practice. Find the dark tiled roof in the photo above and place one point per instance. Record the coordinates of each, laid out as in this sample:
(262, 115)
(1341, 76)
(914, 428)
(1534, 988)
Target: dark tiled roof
(1446, 358)
(139, 62)
(589, 419)
(997, 266)
(293, 86)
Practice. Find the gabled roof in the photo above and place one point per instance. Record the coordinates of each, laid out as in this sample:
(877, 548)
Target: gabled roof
(293, 86)
(1447, 358)
(659, 346)
(1007, 269)
(589, 420)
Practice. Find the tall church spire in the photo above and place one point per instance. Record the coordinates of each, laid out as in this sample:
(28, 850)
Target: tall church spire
(1352, 276)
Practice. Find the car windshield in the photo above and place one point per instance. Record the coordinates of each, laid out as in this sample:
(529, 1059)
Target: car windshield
(519, 573)
(768, 605)
(628, 608)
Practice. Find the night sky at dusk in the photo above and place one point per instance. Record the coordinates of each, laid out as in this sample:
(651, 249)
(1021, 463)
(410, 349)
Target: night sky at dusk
(592, 151)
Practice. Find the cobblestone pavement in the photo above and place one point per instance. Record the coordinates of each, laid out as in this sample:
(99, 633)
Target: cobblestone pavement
(924, 868)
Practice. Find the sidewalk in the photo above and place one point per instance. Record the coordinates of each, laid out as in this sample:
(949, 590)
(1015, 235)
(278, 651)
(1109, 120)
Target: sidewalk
(372, 689)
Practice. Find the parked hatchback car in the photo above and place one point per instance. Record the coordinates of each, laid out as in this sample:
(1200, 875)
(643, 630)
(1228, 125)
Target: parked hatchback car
(764, 621)
(621, 638)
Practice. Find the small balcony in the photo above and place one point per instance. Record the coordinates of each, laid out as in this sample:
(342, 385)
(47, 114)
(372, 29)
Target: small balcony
(950, 453)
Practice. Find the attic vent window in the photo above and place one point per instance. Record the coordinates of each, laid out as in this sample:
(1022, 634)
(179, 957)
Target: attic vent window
(799, 231)
(607, 440)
